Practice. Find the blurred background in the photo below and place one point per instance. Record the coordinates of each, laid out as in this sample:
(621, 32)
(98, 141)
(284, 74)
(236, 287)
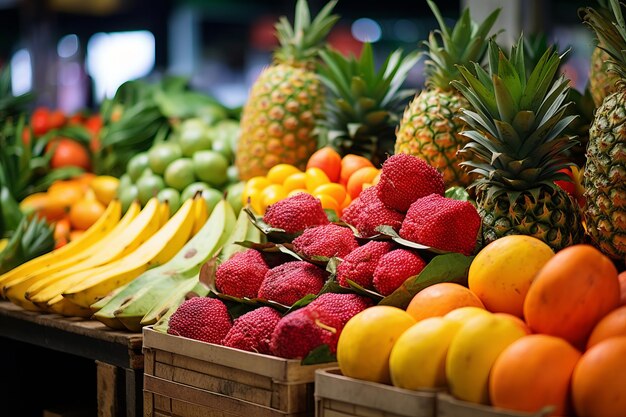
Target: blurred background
(74, 53)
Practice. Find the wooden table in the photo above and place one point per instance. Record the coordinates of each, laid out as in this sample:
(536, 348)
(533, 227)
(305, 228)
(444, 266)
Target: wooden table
(118, 354)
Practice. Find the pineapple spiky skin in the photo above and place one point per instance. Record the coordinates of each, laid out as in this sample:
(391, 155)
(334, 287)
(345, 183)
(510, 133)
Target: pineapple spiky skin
(430, 130)
(605, 177)
(552, 216)
(602, 82)
(278, 120)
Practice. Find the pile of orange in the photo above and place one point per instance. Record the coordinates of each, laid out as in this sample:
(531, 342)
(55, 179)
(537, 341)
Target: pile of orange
(72, 205)
(336, 181)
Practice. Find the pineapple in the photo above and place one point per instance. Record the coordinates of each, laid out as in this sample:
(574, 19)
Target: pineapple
(430, 126)
(287, 99)
(605, 173)
(517, 146)
(601, 81)
(364, 105)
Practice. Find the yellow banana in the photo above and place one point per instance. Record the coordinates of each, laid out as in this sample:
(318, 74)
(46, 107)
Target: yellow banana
(130, 238)
(164, 213)
(160, 248)
(65, 307)
(3, 243)
(105, 224)
(201, 215)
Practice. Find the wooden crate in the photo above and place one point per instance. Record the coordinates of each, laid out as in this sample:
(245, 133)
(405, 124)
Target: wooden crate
(340, 396)
(185, 377)
(448, 406)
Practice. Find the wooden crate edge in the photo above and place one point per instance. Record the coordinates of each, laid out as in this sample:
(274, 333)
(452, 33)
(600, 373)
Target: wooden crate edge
(448, 406)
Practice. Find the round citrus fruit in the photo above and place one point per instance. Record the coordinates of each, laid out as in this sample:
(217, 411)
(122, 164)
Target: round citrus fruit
(161, 155)
(180, 173)
(359, 178)
(464, 314)
(85, 213)
(502, 272)
(328, 160)
(439, 299)
(44, 205)
(69, 192)
(367, 339)
(314, 178)
(194, 137)
(599, 380)
(350, 164)
(295, 181)
(532, 373)
(62, 228)
(68, 153)
(336, 191)
(211, 167)
(127, 195)
(137, 165)
(105, 188)
(149, 186)
(612, 325)
(279, 173)
(328, 203)
(418, 358)
(272, 194)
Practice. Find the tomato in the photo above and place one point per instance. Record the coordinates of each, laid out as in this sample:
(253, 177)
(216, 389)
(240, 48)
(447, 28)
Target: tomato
(39, 121)
(69, 153)
(56, 119)
(93, 123)
(76, 119)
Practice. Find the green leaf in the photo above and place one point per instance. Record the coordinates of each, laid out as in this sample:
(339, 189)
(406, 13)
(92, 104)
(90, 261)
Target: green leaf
(451, 267)
(364, 291)
(388, 231)
(457, 193)
(320, 354)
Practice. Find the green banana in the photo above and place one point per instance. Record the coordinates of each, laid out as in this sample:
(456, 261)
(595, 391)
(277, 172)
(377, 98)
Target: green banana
(161, 321)
(97, 306)
(128, 307)
(244, 231)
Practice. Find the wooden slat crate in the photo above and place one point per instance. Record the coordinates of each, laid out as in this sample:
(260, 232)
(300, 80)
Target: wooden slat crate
(340, 396)
(185, 377)
(448, 406)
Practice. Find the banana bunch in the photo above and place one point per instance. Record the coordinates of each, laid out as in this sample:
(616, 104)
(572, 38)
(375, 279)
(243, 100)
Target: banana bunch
(158, 290)
(112, 253)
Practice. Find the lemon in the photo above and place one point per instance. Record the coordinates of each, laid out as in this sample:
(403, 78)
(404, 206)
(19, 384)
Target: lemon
(418, 358)
(314, 178)
(463, 314)
(272, 194)
(279, 173)
(366, 342)
(295, 181)
(104, 188)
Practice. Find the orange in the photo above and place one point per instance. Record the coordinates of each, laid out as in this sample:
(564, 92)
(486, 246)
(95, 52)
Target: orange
(85, 213)
(532, 373)
(62, 228)
(75, 234)
(336, 191)
(503, 271)
(599, 380)
(68, 152)
(295, 181)
(86, 178)
(571, 293)
(612, 325)
(439, 299)
(622, 284)
(67, 191)
(279, 173)
(346, 201)
(329, 203)
(328, 160)
(49, 207)
(315, 177)
(360, 177)
(350, 164)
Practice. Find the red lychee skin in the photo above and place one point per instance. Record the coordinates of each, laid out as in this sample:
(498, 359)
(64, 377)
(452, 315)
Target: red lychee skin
(405, 178)
(291, 281)
(253, 331)
(242, 275)
(359, 265)
(201, 318)
(296, 213)
(394, 268)
(328, 240)
(367, 212)
(442, 223)
(304, 330)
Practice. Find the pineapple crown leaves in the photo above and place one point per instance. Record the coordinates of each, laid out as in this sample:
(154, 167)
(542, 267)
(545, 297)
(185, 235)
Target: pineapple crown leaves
(364, 105)
(461, 45)
(610, 29)
(517, 121)
(300, 43)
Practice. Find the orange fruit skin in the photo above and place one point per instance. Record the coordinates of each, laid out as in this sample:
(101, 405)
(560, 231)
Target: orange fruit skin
(361, 176)
(622, 284)
(571, 293)
(534, 372)
(328, 160)
(49, 207)
(350, 164)
(612, 325)
(69, 192)
(62, 229)
(439, 299)
(69, 153)
(85, 213)
(521, 323)
(599, 380)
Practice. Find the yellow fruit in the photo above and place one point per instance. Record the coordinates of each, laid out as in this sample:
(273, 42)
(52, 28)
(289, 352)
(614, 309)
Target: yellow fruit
(418, 358)
(295, 181)
(279, 173)
(253, 188)
(366, 342)
(272, 194)
(104, 188)
(328, 202)
(472, 353)
(464, 314)
(296, 191)
(257, 182)
(502, 272)
(336, 191)
(315, 177)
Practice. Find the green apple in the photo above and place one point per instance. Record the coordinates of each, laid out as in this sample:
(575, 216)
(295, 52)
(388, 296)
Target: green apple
(179, 174)
(127, 195)
(137, 165)
(194, 135)
(210, 166)
(233, 195)
(149, 186)
(161, 155)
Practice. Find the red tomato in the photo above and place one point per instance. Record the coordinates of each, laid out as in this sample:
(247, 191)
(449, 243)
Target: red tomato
(39, 121)
(56, 119)
(76, 119)
(69, 153)
(94, 123)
